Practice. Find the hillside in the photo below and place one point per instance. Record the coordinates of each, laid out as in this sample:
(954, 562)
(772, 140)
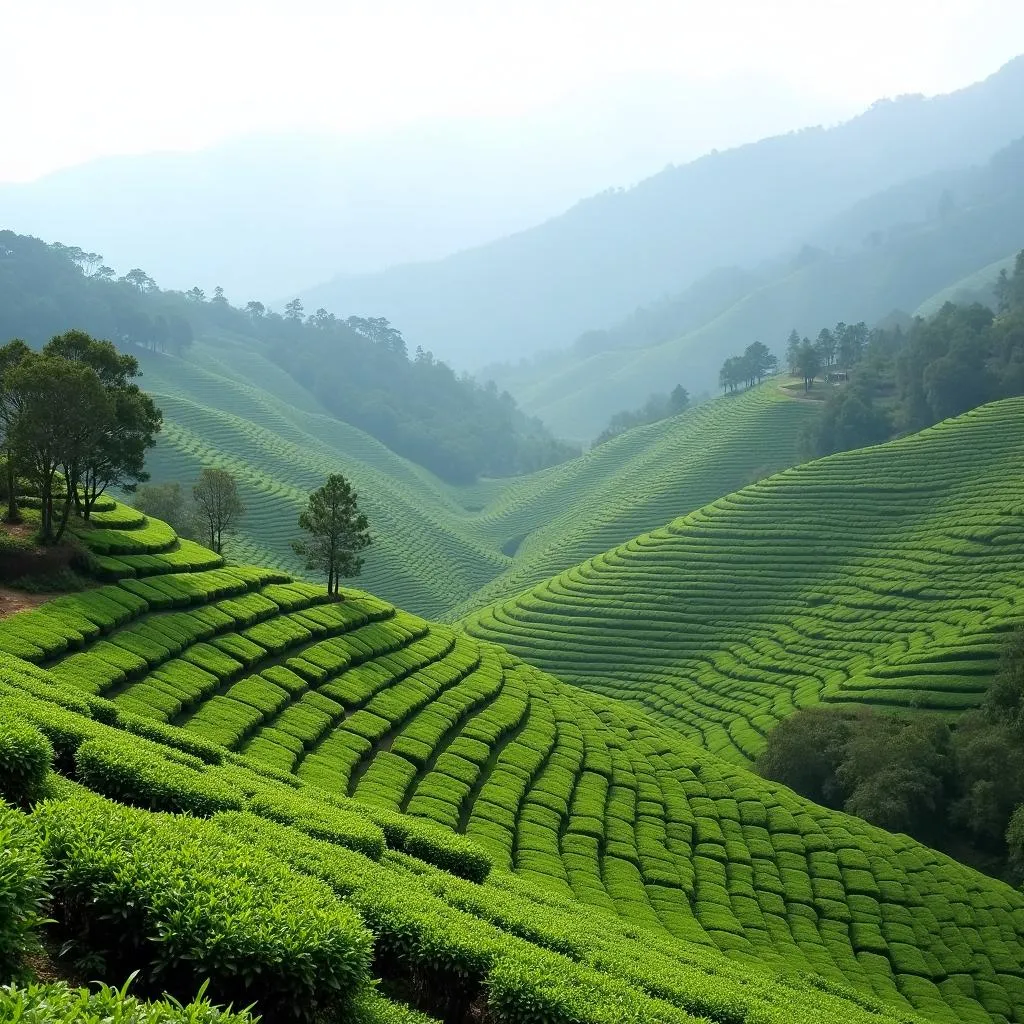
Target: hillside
(606, 871)
(229, 405)
(894, 254)
(593, 265)
(866, 577)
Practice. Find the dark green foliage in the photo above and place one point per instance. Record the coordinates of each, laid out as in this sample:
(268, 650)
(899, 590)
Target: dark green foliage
(177, 899)
(337, 530)
(58, 1003)
(656, 408)
(418, 407)
(942, 366)
(805, 750)
(748, 369)
(130, 773)
(25, 758)
(953, 788)
(851, 418)
(22, 888)
(358, 368)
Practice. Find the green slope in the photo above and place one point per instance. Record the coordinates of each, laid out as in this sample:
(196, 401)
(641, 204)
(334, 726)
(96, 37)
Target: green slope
(442, 550)
(635, 876)
(883, 575)
(976, 286)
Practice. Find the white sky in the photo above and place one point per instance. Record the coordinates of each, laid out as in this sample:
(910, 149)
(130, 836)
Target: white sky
(86, 79)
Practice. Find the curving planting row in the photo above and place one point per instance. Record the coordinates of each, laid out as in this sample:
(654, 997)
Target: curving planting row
(352, 722)
(495, 537)
(885, 576)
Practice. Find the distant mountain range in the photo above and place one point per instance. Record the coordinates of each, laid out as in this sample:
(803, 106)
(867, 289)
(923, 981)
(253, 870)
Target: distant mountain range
(541, 288)
(267, 216)
(941, 236)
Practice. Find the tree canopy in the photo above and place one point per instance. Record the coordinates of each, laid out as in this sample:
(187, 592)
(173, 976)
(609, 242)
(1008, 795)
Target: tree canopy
(217, 504)
(74, 423)
(357, 367)
(337, 530)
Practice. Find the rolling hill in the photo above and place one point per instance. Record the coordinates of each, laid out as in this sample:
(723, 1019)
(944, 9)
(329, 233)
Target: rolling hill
(438, 545)
(865, 577)
(385, 794)
(924, 251)
(540, 288)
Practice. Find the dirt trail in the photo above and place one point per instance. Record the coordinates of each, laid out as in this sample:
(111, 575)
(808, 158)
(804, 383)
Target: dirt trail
(12, 601)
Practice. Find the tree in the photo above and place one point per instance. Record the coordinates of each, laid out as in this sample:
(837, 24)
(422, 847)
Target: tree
(793, 344)
(852, 341)
(196, 294)
(117, 456)
(293, 310)
(808, 363)
(758, 361)
(338, 531)
(61, 411)
(11, 355)
(805, 750)
(255, 309)
(678, 400)
(167, 502)
(139, 279)
(729, 376)
(217, 505)
(826, 346)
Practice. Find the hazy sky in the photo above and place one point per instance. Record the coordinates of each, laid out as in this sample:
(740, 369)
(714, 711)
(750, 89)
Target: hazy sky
(131, 76)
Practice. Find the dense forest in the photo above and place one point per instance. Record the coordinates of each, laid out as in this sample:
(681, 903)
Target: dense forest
(357, 367)
(957, 786)
(901, 380)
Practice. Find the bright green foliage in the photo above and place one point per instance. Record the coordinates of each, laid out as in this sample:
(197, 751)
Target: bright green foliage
(865, 577)
(22, 884)
(60, 1004)
(25, 758)
(233, 408)
(180, 899)
(127, 772)
(372, 749)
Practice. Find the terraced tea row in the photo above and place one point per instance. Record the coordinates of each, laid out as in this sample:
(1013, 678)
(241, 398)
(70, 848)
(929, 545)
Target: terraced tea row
(867, 576)
(229, 406)
(589, 803)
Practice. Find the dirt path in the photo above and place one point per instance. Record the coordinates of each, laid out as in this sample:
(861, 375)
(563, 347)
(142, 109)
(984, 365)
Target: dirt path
(12, 601)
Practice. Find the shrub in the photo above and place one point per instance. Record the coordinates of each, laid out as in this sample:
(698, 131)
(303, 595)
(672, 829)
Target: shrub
(26, 756)
(133, 774)
(183, 902)
(22, 882)
(60, 1004)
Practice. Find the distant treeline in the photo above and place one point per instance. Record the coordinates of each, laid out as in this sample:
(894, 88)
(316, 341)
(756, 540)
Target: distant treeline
(903, 380)
(358, 368)
(657, 407)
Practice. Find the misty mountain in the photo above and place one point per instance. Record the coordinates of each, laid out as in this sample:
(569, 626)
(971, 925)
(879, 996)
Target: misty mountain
(264, 217)
(942, 229)
(591, 266)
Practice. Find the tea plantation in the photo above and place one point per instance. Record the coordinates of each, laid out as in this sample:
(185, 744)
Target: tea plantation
(883, 576)
(232, 407)
(287, 796)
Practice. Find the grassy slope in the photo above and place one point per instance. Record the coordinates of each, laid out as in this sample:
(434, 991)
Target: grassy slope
(979, 282)
(587, 801)
(883, 575)
(438, 545)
